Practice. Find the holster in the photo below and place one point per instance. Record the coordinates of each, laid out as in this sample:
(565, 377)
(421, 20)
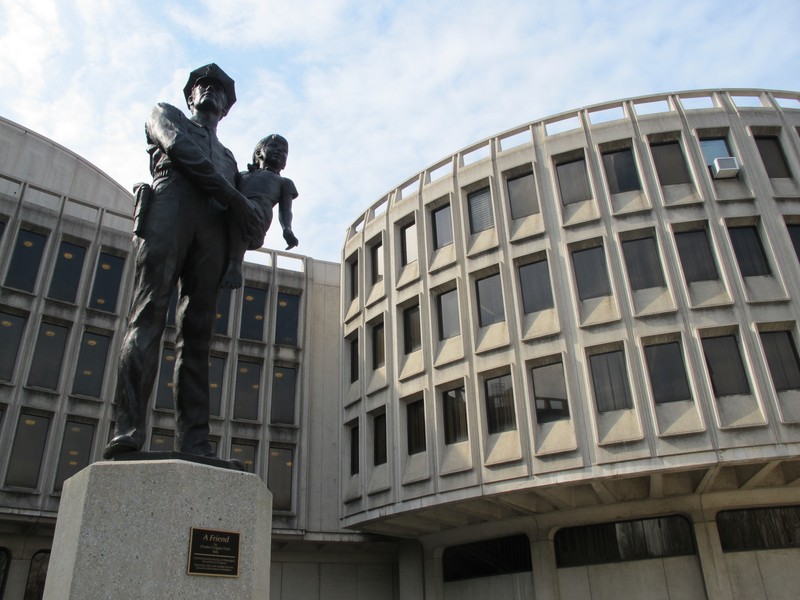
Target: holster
(143, 193)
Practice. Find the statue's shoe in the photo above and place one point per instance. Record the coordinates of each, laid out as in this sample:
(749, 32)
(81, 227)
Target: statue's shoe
(120, 444)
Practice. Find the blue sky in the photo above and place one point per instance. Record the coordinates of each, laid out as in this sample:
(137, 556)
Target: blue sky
(367, 92)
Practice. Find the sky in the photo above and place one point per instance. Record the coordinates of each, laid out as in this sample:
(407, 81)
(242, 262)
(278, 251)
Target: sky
(368, 92)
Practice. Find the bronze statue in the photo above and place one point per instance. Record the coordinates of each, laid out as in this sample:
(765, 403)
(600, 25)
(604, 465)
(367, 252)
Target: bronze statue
(181, 239)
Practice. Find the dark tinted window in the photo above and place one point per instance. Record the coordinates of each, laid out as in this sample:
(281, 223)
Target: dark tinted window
(447, 306)
(573, 182)
(643, 263)
(248, 387)
(412, 339)
(279, 477)
(245, 451)
(27, 451)
(591, 274)
(354, 449)
(106, 282)
(254, 301)
(76, 449)
(522, 196)
(11, 328)
(537, 293)
(772, 156)
(353, 343)
(48, 356)
(621, 171)
(610, 381)
(286, 319)
(378, 346)
(670, 165)
(550, 393)
(37, 574)
(67, 273)
(782, 359)
(415, 421)
(667, 372)
(454, 411)
(284, 380)
(490, 300)
(697, 259)
(749, 252)
(25, 260)
(379, 439)
(500, 556)
(91, 366)
(500, 415)
(481, 215)
(724, 362)
(442, 226)
(759, 528)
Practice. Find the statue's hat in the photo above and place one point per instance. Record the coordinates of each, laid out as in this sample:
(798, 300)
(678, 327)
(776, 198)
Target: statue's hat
(211, 71)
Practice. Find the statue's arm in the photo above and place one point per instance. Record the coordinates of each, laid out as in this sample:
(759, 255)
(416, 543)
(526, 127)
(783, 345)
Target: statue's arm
(288, 194)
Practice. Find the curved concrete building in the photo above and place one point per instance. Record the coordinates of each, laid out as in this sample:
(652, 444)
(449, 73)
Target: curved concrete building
(569, 355)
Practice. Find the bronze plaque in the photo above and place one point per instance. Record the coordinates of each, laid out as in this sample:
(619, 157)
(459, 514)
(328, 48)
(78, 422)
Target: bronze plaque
(213, 553)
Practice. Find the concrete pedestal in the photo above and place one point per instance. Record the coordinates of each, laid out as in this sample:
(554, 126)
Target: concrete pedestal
(123, 531)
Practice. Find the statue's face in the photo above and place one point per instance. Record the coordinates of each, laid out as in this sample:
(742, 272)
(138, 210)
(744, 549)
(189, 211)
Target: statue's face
(208, 94)
(275, 154)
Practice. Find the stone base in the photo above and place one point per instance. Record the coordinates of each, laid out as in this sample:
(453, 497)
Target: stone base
(123, 532)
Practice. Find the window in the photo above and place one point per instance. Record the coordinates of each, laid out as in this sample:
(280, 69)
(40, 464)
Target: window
(48, 356)
(670, 165)
(76, 449)
(11, 328)
(447, 309)
(591, 274)
(37, 574)
(725, 367)
(412, 339)
(223, 312)
(624, 541)
(379, 439)
(610, 381)
(621, 174)
(254, 301)
(500, 415)
(67, 273)
(442, 226)
(284, 381)
(500, 556)
(26, 454)
(643, 263)
(522, 196)
(534, 281)
(772, 156)
(378, 346)
(376, 253)
(696, 256)
(667, 372)
(162, 441)
(714, 148)
(5, 555)
(481, 216)
(91, 366)
(353, 343)
(415, 426)
(107, 278)
(25, 260)
(352, 269)
(166, 375)
(454, 414)
(490, 300)
(286, 319)
(279, 476)
(216, 377)
(354, 448)
(550, 393)
(408, 243)
(794, 234)
(749, 252)
(246, 397)
(245, 452)
(759, 528)
(573, 181)
(784, 365)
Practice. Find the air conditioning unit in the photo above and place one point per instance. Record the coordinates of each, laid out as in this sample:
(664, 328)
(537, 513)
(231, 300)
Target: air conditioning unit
(725, 167)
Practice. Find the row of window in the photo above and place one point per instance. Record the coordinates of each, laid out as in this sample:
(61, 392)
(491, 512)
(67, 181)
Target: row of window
(610, 382)
(253, 311)
(573, 182)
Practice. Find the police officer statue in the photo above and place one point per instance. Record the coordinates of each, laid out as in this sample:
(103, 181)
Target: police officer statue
(180, 240)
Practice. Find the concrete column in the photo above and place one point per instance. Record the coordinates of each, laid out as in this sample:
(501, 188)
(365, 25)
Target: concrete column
(434, 581)
(17, 578)
(412, 571)
(712, 561)
(545, 572)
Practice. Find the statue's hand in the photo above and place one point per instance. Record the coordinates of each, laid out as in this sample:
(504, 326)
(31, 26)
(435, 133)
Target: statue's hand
(290, 238)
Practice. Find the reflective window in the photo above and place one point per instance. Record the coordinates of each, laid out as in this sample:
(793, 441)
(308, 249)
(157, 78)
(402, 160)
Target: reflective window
(772, 156)
(621, 173)
(454, 413)
(550, 393)
(107, 278)
(166, 375)
(759, 528)
(481, 215)
(522, 196)
(412, 337)
(26, 454)
(610, 381)
(353, 343)
(245, 452)
(573, 182)
(11, 328)
(500, 415)
(248, 384)
(447, 309)
(725, 367)
(162, 441)
(76, 450)
(714, 148)
(490, 300)
(216, 380)
(442, 226)
(223, 312)
(591, 274)
(379, 439)
(499, 556)
(352, 267)
(376, 253)
(91, 367)
(67, 273)
(667, 372)
(534, 281)
(408, 244)
(378, 346)
(670, 165)
(254, 302)
(37, 574)
(697, 258)
(781, 353)
(286, 319)
(48, 356)
(284, 381)
(749, 251)
(25, 260)
(354, 447)
(415, 426)
(643, 263)
(279, 477)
